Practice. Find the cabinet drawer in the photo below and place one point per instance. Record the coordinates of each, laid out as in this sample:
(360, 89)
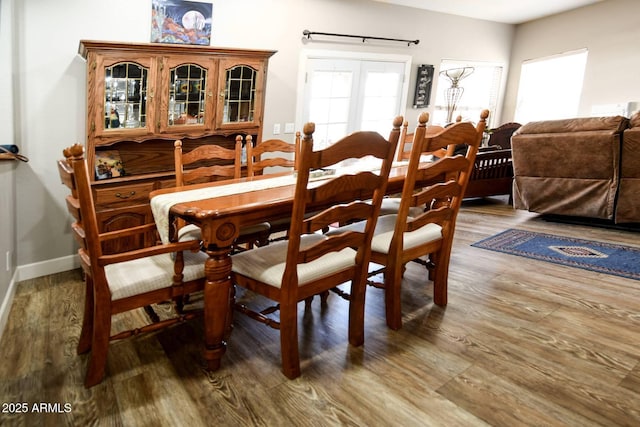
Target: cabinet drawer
(129, 194)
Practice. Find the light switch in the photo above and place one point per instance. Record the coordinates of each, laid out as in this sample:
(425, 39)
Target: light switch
(276, 129)
(289, 127)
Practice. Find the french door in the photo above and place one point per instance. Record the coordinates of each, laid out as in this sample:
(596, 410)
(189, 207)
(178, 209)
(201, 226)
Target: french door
(343, 95)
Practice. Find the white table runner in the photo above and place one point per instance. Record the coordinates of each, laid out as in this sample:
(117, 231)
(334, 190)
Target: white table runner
(161, 204)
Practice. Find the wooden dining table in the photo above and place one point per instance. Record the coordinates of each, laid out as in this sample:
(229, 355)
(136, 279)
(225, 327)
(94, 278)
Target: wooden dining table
(221, 209)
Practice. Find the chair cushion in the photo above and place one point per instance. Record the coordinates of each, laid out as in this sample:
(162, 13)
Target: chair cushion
(384, 233)
(147, 274)
(189, 232)
(267, 263)
(391, 205)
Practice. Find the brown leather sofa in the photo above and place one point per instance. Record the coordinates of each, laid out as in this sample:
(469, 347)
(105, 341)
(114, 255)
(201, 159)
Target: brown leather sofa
(628, 201)
(584, 167)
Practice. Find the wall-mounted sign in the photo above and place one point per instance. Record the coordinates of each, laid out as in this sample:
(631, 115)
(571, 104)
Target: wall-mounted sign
(424, 80)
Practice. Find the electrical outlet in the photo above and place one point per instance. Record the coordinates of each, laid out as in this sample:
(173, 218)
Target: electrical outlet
(276, 129)
(8, 261)
(289, 127)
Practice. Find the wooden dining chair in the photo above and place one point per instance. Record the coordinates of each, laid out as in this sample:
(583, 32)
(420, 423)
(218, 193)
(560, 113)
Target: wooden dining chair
(273, 153)
(406, 139)
(121, 282)
(209, 163)
(404, 144)
(310, 262)
(437, 189)
(391, 204)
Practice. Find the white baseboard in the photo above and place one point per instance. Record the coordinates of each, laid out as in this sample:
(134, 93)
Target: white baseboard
(31, 271)
(5, 307)
(44, 268)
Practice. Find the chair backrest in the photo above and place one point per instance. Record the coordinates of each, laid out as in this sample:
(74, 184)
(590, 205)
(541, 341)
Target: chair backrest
(340, 199)
(74, 173)
(439, 186)
(256, 163)
(406, 140)
(207, 163)
(404, 144)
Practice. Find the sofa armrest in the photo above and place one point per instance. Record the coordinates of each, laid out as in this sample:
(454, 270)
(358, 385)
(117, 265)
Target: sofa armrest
(628, 200)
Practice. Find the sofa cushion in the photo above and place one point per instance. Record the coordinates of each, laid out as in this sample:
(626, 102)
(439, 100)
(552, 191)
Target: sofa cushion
(580, 124)
(580, 154)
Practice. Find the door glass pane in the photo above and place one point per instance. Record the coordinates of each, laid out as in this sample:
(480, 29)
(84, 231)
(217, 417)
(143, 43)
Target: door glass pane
(319, 110)
(380, 101)
(329, 105)
(187, 99)
(338, 110)
(239, 94)
(125, 96)
(327, 133)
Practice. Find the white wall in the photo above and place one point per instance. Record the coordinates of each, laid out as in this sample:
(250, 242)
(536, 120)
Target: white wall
(51, 82)
(610, 30)
(7, 167)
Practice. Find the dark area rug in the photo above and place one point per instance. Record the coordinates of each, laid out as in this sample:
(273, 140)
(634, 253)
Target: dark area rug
(608, 258)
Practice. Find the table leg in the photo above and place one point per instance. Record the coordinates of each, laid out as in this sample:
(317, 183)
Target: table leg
(217, 305)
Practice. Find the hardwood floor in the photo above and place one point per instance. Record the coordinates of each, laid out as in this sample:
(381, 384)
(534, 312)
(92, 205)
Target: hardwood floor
(521, 342)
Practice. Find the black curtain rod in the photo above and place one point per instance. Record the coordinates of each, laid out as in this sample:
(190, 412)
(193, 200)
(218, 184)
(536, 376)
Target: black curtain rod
(364, 38)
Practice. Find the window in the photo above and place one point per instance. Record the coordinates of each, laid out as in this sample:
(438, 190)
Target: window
(481, 90)
(346, 94)
(550, 87)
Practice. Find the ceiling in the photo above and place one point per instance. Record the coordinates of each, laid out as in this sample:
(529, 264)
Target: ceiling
(506, 11)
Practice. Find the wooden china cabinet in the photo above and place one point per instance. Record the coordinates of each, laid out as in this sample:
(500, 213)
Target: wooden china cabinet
(141, 98)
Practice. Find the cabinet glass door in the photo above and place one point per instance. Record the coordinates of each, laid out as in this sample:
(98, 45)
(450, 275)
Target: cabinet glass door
(125, 96)
(239, 94)
(187, 95)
